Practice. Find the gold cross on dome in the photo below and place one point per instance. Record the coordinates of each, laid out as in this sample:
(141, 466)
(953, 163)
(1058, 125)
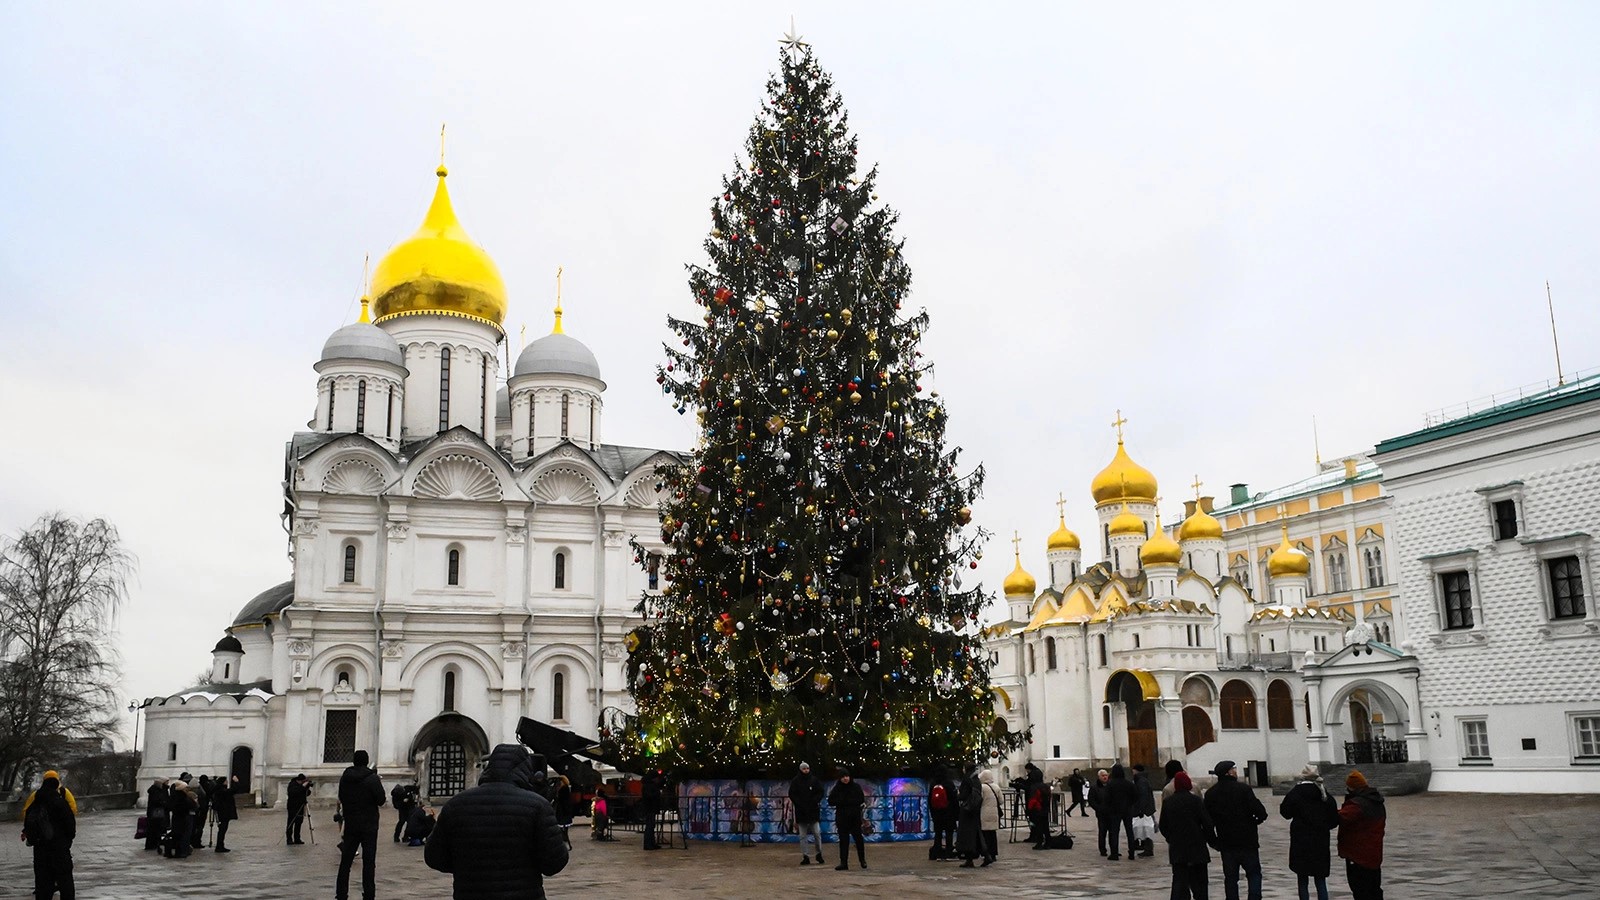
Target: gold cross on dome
(1196, 486)
(1016, 543)
(1120, 421)
(1061, 505)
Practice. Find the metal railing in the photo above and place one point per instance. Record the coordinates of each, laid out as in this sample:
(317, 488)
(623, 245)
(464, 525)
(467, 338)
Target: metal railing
(1377, 750)
(1270, 661)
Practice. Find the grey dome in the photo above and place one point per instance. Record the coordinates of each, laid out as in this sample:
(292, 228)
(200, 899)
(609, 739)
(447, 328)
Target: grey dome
(502, 405)
(228, 644)
(363, 340)
(272, 600)
(558, 354)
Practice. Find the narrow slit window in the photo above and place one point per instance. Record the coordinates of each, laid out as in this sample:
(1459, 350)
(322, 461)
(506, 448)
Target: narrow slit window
(349, 563)
(558, 696)
(561, 571)
(444, 388)
(449, 691)
(566, 402)
(454, 575)
(361, 406)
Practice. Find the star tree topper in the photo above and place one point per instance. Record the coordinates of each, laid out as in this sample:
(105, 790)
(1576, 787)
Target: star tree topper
(792, 42)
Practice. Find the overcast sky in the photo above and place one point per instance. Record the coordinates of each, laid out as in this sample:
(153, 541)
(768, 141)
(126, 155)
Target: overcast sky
(1220, 219)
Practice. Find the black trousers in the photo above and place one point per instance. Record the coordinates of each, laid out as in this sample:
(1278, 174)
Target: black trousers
(944, 838)
(844, 843)
(1189, 881)
(1078, 803)
(154, 828)
(291, 831)
(1365, 883)
(404, 812)
(990, 839)
(651, 816)
(366, 840)
(222, 833)
(199, 838)
(52, 871)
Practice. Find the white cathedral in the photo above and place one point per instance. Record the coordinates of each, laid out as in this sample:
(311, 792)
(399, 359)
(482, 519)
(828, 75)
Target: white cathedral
(1158, 651)
(460, 552)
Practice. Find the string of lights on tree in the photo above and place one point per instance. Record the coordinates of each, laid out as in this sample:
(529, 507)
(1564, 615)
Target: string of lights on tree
(813, 606)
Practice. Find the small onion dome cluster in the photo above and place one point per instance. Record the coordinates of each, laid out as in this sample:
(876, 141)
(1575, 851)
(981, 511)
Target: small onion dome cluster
(1160, 550)
(1063, 538)
(1019, 582)
(1288, 560)
(1126, 522)
(1202, 526)
(1123, 479)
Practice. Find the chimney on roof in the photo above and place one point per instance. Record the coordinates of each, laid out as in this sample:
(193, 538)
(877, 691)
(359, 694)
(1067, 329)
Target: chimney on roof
(1241, 494)
(1350, 469)
(1207, 504)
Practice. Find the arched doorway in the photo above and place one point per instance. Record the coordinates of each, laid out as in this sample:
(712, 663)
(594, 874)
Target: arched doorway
(1134, 689)
(445, 752)
(1360, 717)
(240, 767)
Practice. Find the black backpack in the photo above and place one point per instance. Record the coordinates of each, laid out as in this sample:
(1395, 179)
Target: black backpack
(37, 824)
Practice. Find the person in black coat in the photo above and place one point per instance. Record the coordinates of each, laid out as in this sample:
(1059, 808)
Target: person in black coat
(969, 824)
(155, 814)
(1312, 814)
(420, 824)
(650, 806)
(50, 827)
(1187, 829)
(360, 797)
(404, 798)
(805, 795)
(202, 810)
(847, 799)
(500, 839)
(299, 793)
(1036, 799)
(180, 820)
(1075, 787)
(1144, 805)
(224, 808)
(1236, 811)
(1116, 802)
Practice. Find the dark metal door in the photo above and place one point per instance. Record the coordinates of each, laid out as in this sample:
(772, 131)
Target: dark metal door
(240, 768)
(447, 769)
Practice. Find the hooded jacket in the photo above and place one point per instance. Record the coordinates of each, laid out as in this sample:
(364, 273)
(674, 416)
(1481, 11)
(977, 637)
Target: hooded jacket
(805, 794)
(500, 839)
(360, 796)
(1361, 821)
(989, 813)
(1120, 797)
(1311, 814)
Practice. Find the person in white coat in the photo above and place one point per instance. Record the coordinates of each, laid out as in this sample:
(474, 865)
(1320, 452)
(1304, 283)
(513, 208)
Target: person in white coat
(989, 817)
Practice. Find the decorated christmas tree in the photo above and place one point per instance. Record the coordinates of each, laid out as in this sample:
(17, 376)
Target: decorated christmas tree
(812, 606)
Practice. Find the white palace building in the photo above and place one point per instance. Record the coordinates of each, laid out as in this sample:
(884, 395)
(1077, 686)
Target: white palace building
(460, 551)
(1426, 610)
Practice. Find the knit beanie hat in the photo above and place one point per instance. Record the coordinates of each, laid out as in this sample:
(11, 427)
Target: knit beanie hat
(1310, 773)
(1355, 781)
(1182, 782)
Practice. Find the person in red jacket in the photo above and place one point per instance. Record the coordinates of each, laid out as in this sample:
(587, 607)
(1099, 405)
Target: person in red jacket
(1361, 820)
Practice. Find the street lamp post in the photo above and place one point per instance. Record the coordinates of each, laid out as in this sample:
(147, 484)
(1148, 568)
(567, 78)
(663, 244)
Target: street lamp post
(133, 709)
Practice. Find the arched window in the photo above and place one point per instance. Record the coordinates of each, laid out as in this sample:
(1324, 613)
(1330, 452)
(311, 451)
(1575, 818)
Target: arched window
(483, 392)
(1105, 717)
(1196, 692)
(1136, 642)
(1280, 706)
(388, 420)
(349, 563)
(1197, 730)
(1373, 557)
(1100, 641)
(361, 406)
(592, 438)
(533, 405)
(566, 400)
(172, 751)
(444, 388)
(1031, 659)
(561, 571)
(227, 671)
(1238, 705)
(333, 394)
(453, 577)
(449, 690)
(1050, 653)
(558, 696)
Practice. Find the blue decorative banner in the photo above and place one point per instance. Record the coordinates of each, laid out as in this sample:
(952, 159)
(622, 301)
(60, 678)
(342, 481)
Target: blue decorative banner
(723, 809)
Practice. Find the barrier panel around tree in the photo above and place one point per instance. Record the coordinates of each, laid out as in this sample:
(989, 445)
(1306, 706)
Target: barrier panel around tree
(896, 810)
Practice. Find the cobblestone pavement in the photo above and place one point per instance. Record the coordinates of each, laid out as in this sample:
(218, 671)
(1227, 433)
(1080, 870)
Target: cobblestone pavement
(1439, 845)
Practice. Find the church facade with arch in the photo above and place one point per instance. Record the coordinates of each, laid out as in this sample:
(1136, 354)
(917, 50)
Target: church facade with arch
(462, 552)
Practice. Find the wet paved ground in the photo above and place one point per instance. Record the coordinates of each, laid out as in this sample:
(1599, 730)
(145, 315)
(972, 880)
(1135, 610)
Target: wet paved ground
(1439, 845)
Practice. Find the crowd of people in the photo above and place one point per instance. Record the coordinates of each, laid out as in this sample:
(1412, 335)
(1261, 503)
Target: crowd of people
(185, 813)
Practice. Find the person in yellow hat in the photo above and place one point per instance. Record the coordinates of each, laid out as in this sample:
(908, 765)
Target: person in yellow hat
(72, 802)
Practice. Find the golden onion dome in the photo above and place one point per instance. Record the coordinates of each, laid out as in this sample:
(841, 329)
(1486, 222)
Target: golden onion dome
(1288, 561)
(1126, 522)
(1123, 479)
(439, 271)
(1160, 550)
(1063, 538)
(1019, 583)
(1202, 526)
